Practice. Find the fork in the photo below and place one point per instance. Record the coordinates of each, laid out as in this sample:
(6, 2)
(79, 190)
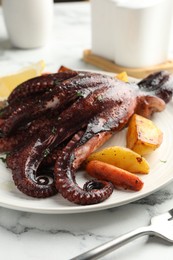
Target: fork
(161, 226)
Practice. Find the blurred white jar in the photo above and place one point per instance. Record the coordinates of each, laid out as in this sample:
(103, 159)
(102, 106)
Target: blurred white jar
(28, 22)
(132, 33)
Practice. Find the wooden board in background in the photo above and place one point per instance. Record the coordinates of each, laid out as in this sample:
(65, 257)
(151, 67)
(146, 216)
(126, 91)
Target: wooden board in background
(110, 66)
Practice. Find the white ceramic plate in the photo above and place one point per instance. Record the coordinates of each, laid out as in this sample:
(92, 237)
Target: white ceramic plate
(161, 173)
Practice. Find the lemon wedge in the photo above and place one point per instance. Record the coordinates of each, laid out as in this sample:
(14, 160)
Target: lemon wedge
(9, 82)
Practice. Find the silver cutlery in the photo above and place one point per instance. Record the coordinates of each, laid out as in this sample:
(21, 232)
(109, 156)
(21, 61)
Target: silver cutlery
(161, 226)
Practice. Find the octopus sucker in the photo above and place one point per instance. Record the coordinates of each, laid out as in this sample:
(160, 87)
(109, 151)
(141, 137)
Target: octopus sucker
(52, 123)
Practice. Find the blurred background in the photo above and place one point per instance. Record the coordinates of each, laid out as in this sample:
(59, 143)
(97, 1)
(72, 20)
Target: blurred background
(56, 1)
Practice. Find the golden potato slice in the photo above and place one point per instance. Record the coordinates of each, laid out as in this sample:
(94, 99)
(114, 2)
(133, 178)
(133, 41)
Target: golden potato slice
(122, 76)
(143, 136)
(123, 158)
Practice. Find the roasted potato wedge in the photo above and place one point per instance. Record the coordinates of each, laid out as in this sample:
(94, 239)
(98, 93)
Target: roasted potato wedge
(143, 136)
(122, 76)
(123, 158)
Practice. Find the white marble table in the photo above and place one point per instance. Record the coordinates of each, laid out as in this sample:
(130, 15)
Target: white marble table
(34, 236)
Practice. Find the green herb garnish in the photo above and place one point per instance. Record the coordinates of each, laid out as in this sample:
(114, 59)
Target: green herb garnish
(163, 161)
(54, 129)
(46, 152)
(79, 94)
(57, 81)
(100, 98)
(3, 159)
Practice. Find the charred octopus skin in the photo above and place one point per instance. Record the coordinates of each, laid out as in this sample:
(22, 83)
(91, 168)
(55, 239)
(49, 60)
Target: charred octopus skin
(53, 122)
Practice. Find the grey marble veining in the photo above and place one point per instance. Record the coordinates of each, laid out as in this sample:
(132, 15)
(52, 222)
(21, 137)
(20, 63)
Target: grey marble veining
(30, 236)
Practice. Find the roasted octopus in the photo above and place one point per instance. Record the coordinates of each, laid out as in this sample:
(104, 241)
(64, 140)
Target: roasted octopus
(52, 123)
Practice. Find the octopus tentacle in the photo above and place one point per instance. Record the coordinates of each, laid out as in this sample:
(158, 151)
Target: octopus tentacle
(28, 159)
(82, 152)
(94, 192)
(39, 84)
(77, 150)
(36, 150)
(57, 99)
(33, 103)
(147, 105)
(13, 142)
(12, 122)
(9, 109)
(7, 144)
(21, 116)
(160, 83)
(29, 180)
